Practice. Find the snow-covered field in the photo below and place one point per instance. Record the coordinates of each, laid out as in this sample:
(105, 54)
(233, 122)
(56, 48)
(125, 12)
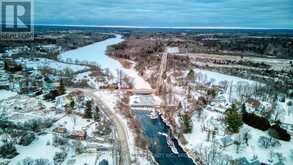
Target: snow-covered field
(73, 123)
(172, 50)
(40, 148)
(216, 78)
(235, 86)
(86, 158)
(37, 63)
(4, 94)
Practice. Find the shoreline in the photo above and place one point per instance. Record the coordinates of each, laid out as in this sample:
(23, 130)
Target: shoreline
(186, 150)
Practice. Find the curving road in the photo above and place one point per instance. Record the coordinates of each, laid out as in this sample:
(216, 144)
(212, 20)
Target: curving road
(124, 154)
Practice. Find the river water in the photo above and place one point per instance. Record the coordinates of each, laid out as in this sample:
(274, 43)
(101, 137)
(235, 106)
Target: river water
(152, 129)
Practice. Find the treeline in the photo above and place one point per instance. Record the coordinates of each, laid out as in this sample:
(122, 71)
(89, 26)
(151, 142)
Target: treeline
(281, 47)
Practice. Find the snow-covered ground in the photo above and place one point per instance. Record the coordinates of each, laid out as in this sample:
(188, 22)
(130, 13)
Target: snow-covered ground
(37, 63)
(4, 94)
(73, 123)
(172, 50)
(39, 148)
(212, 118)
(262, 154)
(235, 86)
(216, 78)
(86, 158)
(97, 53)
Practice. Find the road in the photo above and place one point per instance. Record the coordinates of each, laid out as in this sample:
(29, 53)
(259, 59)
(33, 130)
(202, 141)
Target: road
(121, 131)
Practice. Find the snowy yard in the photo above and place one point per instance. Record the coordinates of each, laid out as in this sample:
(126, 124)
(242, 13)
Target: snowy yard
(39, 148)
(4, 94)
(73, 123)
(199, 139)
(254, 149)
(38, 63)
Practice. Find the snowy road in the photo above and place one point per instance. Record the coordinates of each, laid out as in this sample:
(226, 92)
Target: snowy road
(121, 131)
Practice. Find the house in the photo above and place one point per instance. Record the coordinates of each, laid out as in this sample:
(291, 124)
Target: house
(11, 65)
(79, 135)
(50, 48)
(60, 130)
(253, 103)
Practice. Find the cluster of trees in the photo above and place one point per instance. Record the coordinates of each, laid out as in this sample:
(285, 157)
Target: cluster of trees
(27, 139)
(274, 46)
(30, 161)
(37, 125)
(8, 150)
(139, 49)
(88, 110)
(59, 158)
(89, 113)
(210, 155)
(199, 104)
(56, 92)
(268, 142)
(31, 125)
(59, 140)
(125, 110)
(186, 122)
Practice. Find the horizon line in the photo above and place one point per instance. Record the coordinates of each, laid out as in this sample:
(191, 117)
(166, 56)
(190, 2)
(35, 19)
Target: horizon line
(165, 27)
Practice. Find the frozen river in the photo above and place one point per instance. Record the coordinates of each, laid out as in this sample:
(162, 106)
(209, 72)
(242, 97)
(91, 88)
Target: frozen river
(96, 52)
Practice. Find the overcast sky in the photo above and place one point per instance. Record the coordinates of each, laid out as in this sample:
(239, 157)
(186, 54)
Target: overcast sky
(167, 13)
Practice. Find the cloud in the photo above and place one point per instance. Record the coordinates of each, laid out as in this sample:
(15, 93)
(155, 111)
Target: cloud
(224, 13)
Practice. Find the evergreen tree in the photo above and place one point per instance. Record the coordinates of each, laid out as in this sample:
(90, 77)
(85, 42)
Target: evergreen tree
(72, 104)
(243, 108)
(61, 88)
(97, 114)
(191, 75)
(5, 65)
(88, 110)
(186, 123)
(233, 119)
